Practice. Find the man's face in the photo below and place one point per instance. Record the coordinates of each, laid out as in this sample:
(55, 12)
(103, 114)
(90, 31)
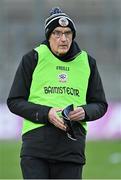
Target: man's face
(60, 40)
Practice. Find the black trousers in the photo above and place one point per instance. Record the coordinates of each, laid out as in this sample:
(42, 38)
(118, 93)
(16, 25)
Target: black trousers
(37, 168)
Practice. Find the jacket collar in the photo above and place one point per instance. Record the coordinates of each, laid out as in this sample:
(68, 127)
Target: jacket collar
(72, 53)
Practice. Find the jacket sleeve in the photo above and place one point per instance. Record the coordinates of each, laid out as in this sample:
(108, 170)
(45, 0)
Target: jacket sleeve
(18, 97)
(96, 105)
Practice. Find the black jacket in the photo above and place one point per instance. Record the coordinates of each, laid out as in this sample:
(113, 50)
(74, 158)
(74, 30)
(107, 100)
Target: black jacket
(43, 141)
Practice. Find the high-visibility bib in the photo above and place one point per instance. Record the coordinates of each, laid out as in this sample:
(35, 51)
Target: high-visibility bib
(57, 84)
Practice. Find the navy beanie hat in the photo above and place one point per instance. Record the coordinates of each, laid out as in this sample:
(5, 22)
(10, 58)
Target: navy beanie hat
(58, 19)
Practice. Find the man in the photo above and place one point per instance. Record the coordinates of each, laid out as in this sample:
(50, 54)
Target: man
(50, 78)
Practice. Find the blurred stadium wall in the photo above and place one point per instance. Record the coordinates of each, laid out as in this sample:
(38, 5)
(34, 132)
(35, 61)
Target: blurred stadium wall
(98, 25)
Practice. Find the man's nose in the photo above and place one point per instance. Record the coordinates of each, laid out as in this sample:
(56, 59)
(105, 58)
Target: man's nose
(63, 37)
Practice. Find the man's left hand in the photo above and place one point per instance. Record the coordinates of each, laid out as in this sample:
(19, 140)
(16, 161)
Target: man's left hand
(77, 114)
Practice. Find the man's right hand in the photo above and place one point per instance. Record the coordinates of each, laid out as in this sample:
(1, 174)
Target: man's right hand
(55, 119)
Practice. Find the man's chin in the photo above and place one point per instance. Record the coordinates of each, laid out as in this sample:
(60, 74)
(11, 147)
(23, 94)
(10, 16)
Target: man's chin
(62, 53)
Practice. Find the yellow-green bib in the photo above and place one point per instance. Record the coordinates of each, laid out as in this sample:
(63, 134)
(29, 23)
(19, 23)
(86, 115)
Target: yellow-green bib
(56, 83)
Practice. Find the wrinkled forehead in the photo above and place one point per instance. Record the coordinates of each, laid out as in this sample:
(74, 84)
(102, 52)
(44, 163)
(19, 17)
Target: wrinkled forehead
(62, 29)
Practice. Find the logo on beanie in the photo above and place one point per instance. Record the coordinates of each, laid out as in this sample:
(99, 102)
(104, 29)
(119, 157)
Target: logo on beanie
(63, 21)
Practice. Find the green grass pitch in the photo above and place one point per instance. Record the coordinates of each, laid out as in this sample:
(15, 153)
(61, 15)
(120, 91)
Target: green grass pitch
(103, 160)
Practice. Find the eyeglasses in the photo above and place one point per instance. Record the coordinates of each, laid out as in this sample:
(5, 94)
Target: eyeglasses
(64, 114)
(59, 34)
(69, 130)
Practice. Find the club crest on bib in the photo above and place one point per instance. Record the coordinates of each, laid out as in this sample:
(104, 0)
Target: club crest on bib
(62, 77)
(63, 21)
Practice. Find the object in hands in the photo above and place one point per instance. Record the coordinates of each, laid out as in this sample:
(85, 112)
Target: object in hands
(68, 123)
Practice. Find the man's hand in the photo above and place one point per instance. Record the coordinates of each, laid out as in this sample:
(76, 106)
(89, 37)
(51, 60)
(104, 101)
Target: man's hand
(55, 119)
(77, 114)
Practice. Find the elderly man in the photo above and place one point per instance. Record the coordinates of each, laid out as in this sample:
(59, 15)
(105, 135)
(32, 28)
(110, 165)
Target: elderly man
(57, 89)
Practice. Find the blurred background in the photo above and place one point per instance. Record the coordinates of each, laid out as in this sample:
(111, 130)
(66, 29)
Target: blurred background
(98, 24)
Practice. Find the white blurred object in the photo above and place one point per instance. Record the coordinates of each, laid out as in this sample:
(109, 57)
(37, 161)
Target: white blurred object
(115, 158)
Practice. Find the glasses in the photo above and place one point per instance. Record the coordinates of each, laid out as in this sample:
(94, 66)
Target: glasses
(59, 34)
(64, 114)
(69, 130)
